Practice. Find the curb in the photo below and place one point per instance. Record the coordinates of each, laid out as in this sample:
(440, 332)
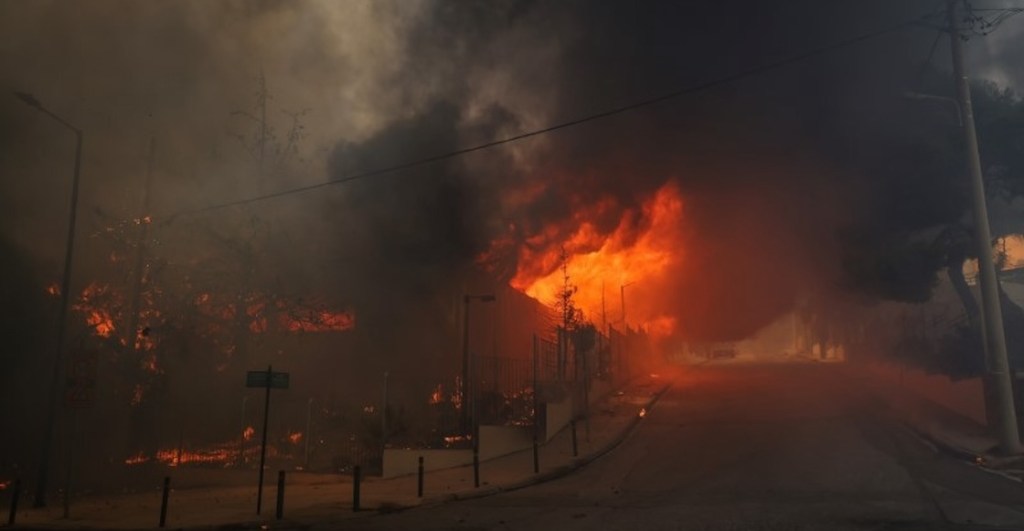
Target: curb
(553, 474)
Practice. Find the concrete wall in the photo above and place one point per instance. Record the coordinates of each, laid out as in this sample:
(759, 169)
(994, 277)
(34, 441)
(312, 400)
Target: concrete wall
(401, 462)
(558, 414)
(965, 397)
(496, 441)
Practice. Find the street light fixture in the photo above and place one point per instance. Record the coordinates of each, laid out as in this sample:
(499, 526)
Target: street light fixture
(65, 296)
(465, 354)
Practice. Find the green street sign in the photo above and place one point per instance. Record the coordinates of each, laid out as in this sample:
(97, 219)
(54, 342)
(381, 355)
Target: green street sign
(278, 380)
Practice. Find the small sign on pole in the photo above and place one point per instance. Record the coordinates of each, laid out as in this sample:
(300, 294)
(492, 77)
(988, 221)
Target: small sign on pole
(277, 380)
(268, 380)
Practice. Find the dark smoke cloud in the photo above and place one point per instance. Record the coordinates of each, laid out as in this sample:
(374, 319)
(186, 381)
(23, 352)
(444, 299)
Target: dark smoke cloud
(801, 183)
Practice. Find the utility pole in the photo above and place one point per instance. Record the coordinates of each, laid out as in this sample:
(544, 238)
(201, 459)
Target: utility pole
(992, 317)
(65, 302)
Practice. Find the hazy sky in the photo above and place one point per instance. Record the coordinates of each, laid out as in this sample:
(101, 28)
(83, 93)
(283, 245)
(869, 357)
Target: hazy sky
(379, 83)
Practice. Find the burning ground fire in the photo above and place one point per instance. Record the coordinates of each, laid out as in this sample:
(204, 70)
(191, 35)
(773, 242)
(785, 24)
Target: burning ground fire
(639, 250)
(220, 454)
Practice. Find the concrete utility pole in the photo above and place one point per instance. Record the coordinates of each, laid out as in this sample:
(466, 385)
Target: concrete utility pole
(992, 316)
(65, 303)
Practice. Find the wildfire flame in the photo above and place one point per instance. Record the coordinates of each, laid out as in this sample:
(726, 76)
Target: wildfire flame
(437, 396)
(295, 438)
(320, 321)
(137, 459)
(248, 433)
(101, 322)
(639, 250)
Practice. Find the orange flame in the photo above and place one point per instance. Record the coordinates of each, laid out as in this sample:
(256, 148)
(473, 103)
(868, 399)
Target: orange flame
(437, 396)
(319, 321)
(248, 433)
(295, 438)
(640, 250)
(101, 321)
(136, 459)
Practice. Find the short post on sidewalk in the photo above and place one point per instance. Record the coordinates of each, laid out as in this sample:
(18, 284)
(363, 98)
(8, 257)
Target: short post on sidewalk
(356, 476)
(536, 456)
(280, 495)
(419, 479)
(163, 501)
(476, 467)
(15, 494)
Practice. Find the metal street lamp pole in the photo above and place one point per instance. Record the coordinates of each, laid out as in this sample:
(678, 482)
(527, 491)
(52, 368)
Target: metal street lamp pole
(65, 296)
(992, 315)
(465, 356)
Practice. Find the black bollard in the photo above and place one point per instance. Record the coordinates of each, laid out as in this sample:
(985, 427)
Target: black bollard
(280, 494)
(536, 456)
(575, 448)
(163, 501)
(476, 468)
(356, 476)
(419, 480)
(14, 502)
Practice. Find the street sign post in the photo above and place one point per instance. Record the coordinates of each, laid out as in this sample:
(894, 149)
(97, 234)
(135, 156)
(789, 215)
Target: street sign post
(278, 380)
(268, 380)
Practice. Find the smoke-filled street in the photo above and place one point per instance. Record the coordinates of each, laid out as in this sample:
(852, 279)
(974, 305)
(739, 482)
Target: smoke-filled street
(339, 249)
(768, 447)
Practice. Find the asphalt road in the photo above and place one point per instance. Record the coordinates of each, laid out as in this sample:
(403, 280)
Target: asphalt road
(779, 447)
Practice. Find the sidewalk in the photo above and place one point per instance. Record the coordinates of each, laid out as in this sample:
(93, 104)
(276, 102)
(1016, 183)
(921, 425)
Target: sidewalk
(948, 431)
(319, 498)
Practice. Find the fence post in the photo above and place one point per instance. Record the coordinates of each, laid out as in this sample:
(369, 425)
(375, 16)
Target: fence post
(280, 494)
(419, 479)
(163, 501)
(356, 476)
(14, 502)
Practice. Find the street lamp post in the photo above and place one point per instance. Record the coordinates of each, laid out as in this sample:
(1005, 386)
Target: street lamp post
(65, 296)
(465, 355)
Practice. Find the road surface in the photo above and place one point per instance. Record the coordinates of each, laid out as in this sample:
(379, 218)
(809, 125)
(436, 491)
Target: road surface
(770, 447)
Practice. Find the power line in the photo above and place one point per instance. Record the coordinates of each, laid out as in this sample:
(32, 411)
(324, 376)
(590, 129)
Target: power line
(567, 124)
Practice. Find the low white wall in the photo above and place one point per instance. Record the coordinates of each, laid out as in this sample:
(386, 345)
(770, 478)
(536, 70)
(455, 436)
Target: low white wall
(496, 441)
(558, 415)
(401, 462)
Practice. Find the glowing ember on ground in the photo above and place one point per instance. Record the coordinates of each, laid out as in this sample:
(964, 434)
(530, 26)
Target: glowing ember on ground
(248, 433)
(53, 289)
(136, 459)
(642, 413)
(295, 438)
(454, 440)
